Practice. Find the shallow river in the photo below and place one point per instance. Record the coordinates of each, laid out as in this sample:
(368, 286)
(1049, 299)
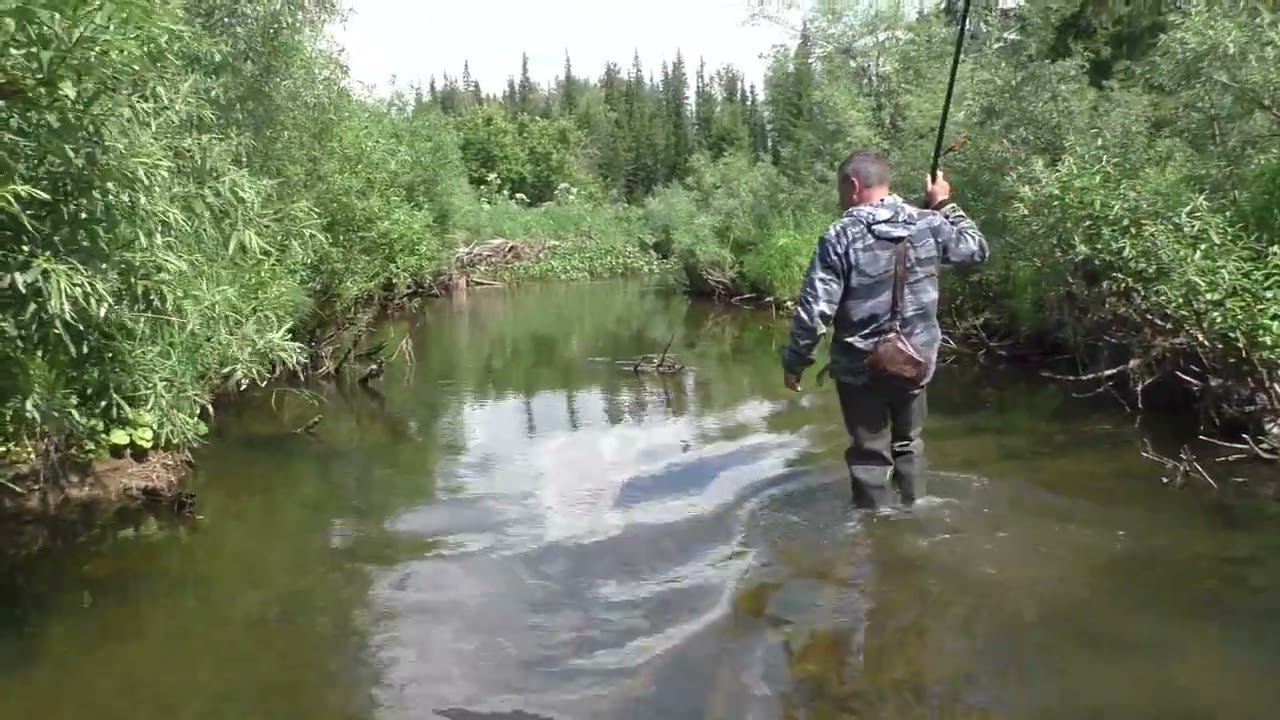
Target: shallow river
(517, 526)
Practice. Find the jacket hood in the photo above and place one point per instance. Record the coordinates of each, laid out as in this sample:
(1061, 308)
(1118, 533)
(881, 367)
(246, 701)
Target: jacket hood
(887, 219)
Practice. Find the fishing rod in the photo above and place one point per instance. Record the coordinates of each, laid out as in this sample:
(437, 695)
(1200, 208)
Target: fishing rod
(951, 86)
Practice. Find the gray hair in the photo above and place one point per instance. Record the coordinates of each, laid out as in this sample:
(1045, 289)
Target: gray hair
(868, 167)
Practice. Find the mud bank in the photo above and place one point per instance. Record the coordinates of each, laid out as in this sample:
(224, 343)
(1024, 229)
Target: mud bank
(33, 491)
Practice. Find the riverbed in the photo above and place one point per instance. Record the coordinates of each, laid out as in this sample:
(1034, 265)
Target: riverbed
(515, 525)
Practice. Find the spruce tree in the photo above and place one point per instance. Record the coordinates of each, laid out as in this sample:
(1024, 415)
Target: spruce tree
(666, 148)
(730, 130)
(419, 101)
(613, 149)
(704, 110)
(640, 136)
(790, 97)
(678, 120)
(611, 87)
(569, 89)
(450, 96)
(471, 94)
(511, 97)
(526, 91)
(759, 131)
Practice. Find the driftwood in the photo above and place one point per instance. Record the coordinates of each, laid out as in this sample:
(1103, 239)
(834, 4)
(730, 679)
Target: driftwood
(662, 364)
(1258, 449)
(493, 252)
(1184, 466)
(310, 426)
(373, 372)
(182, 502)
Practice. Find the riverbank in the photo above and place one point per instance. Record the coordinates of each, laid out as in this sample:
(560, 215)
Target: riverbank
(72, 493)
(556, 243)
(34, 490)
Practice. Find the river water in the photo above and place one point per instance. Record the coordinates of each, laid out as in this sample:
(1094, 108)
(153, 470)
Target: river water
(517, 526)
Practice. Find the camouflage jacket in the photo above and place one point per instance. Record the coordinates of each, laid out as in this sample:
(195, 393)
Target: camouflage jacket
(850, 283)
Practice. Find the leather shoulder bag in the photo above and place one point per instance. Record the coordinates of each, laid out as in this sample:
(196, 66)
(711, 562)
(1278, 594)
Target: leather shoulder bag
(893, 357)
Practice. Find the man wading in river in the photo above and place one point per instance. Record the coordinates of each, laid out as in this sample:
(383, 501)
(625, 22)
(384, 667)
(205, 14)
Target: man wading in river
(884, 350)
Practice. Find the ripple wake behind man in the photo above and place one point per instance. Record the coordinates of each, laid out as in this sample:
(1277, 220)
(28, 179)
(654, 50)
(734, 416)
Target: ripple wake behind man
(874, 275)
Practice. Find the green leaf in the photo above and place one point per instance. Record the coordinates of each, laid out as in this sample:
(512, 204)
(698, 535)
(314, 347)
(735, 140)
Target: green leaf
(119, 436)
(142, 434)
(67, 88)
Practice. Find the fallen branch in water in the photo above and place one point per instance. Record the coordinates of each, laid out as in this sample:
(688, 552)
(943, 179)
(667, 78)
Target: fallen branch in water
(1091, 393)
(310, 426)
(1256, 451)
(1182, 467)
(373, 372)
(13, 487)
(659, 363)
(1190, 459)
(1259, 452)
(405, 348)
(1100, 375)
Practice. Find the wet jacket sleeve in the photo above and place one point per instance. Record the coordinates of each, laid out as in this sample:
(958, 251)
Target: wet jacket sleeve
(960, 242)
(819, 297)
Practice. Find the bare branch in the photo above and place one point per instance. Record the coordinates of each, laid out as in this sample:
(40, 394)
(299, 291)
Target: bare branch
(1191, 460)
(1233, 446)
(1261, 453)
(1129, 366)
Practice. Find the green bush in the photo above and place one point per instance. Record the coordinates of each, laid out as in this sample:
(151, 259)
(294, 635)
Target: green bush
(1135, 243)
(172, 222)
(525, 157)
(775, 268)
(139, 263)
(726, 210)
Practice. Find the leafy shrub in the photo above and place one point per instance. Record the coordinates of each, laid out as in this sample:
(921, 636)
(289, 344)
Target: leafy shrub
(172, 222)
(775, 268)
(725, 210)
(529, 156)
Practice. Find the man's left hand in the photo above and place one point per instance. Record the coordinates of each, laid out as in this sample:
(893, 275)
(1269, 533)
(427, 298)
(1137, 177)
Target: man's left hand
(791, 381)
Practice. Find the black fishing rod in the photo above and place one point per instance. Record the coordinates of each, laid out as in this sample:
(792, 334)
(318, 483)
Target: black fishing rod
(951, 86)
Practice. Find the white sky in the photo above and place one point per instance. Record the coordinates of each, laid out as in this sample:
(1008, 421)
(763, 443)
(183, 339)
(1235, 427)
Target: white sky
(415, 39)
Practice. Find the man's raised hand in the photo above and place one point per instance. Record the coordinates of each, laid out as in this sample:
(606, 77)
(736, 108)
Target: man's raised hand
(936, 191)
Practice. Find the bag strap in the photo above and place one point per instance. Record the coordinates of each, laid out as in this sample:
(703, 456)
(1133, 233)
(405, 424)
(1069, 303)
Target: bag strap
(899, 283)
